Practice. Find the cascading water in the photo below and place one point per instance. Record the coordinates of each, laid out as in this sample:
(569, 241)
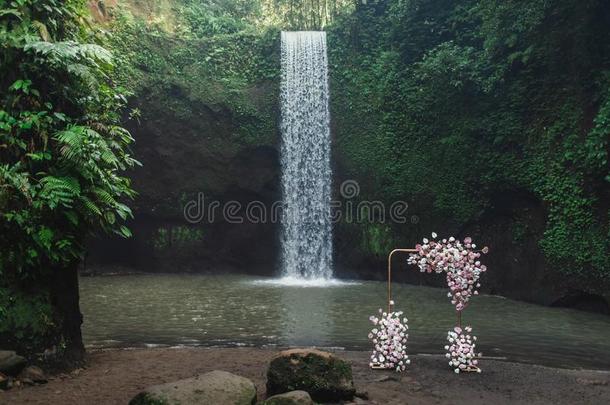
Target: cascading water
(305, 157)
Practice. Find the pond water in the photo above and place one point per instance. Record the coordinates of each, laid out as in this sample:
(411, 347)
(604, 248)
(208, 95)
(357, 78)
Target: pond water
(223, 310)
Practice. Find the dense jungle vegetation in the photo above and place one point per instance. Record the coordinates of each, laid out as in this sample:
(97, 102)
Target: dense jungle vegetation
(467, 109)
(472, 101)
(62, 151)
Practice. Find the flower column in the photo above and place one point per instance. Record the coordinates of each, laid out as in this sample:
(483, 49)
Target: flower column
(389, 337)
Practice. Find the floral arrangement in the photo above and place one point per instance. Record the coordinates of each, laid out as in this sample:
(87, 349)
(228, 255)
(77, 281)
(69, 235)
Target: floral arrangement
(460, 350)
(389, 337)
(460, 262)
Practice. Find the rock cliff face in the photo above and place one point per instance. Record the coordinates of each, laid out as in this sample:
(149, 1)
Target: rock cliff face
(192, 167)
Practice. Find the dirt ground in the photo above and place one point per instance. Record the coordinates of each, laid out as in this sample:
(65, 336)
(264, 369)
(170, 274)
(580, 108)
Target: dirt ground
(115, 376)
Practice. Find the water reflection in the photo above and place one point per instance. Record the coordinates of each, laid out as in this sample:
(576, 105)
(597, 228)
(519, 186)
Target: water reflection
(240, 310)
(305, 315)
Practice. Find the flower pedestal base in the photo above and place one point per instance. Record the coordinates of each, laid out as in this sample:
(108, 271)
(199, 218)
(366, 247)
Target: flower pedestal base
(380, 367)
(471, 369)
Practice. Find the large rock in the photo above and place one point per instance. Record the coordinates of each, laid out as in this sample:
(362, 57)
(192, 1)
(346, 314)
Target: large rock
(290, 398)
(32, 374)
(324, 376)
(215, 387)
(4, 382)
(10, 362)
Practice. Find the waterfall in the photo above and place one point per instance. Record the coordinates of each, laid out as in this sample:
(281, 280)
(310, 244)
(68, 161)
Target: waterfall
(305, 157)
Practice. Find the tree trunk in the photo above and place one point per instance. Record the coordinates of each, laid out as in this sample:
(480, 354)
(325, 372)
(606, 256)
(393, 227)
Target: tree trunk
(65, 298)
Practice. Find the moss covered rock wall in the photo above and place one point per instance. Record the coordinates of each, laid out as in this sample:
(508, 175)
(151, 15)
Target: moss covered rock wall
(203, 111)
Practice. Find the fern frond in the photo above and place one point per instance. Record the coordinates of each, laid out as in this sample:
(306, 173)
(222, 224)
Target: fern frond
(121, 133)
(104, 196)
(70, 51)
(83, 72)
(96, 52)
(90, 206)
(72, 143)
(109, 158)
(60, 190)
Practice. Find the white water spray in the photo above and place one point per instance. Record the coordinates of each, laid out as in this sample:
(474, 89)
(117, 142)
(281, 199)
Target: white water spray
(305, 157)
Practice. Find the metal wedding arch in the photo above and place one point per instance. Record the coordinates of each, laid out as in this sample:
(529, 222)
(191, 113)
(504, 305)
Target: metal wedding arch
(458, 313)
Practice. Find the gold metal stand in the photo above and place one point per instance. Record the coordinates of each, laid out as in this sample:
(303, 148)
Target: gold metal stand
(458, 313)
(390, 273)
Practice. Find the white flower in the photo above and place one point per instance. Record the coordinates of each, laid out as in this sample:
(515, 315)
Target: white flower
(390, 350)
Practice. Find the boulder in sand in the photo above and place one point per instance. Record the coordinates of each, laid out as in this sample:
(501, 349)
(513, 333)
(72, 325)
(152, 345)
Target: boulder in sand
(324, 376)
(4, 382)
(32, 374)
(215, 387)
(10, 362)
(290, 398)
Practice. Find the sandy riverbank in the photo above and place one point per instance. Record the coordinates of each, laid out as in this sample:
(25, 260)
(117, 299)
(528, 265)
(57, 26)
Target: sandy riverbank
(115, 376)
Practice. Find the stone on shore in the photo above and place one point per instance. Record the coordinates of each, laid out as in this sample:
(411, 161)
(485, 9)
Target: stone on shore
(4, 382)
(215, 387)
(324, 376)
(32, 375)
(10, 362)
(290, 398)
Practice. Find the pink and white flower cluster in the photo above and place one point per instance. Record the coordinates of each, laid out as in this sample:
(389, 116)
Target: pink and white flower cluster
(389, 337)
(459, 260)
(460, 350)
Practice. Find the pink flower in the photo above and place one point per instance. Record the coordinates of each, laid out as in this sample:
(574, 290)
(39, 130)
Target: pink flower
(458, 261)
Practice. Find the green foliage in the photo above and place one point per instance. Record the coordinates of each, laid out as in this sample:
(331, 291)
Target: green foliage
(214, 17)
(61, 146)
(303, 15)
(596, 141)
(469, 100)
(27, 318)
(378, 239)
(224, 71)
(177, 236)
